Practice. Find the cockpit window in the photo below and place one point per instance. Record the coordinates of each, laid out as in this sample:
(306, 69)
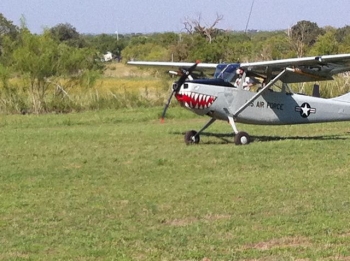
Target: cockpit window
(279, 86)
(226, 71)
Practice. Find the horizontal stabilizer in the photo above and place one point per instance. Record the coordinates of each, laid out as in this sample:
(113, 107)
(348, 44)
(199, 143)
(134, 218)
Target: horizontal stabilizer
(343, 98)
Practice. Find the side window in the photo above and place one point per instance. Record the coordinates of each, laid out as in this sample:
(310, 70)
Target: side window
(280, 87)
(277, 87)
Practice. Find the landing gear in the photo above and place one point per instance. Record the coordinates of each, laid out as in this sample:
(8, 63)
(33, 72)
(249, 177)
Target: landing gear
(191, 137)
(242, 138)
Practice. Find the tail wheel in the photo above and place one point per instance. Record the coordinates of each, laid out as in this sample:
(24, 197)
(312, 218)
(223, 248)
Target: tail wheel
(242, 138)
(191, 137)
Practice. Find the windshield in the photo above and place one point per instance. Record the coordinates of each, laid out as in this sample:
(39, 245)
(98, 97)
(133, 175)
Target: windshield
(226, 71)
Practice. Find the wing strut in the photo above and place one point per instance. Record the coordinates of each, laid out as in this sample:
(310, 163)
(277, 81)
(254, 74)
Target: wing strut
(245, 105)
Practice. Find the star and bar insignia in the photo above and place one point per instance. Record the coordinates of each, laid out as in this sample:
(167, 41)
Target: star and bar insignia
(305, 110)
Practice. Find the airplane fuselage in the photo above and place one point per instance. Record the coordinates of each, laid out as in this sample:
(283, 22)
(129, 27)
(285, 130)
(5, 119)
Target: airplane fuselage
(227, 95)
(270, 108)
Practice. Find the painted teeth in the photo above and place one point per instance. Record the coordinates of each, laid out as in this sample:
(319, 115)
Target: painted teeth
(196, 101)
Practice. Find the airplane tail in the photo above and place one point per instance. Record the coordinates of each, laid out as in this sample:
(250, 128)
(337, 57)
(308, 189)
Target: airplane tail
(343, 98)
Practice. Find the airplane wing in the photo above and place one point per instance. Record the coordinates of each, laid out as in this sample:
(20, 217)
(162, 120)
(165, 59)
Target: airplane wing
(305, 69)
(316, 68)
(203, 67)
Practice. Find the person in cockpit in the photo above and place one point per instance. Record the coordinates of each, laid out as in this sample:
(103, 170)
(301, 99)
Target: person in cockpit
(247, 81)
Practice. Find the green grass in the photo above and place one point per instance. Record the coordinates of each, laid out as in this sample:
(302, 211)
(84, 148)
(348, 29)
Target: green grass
(118, 185)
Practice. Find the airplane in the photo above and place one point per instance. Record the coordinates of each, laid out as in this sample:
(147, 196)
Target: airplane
(274, 103)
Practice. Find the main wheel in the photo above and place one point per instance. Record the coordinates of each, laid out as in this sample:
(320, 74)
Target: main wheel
(190, 139)
(242, 138)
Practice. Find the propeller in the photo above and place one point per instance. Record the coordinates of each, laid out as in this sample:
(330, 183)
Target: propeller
(177, 85)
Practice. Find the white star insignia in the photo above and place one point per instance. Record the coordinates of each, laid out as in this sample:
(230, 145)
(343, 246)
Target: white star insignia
(305, 110)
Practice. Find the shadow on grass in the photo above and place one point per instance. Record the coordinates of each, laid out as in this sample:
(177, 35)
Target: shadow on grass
(229, 137)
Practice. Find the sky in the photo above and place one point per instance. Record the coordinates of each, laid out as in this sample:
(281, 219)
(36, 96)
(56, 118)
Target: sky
(147, 16)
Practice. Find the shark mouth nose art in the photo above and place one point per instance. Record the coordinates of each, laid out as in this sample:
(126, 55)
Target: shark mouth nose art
(195, 100)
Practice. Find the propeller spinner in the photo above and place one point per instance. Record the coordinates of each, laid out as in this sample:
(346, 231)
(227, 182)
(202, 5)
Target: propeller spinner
(177, 85)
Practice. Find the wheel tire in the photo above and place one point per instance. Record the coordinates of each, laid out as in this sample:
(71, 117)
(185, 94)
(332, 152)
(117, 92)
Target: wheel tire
(242, 138)
(189, 137)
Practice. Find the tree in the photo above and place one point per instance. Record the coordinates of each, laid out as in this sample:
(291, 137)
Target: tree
(194, 26)
(147, 51)
(325, 44)
(342, 33)
(7, 27)
(165, 39)
(303, 35)
(344, 46)
(203, 51)
(271, 46)
(107, 43)
(179, 51)
(41, 60)
(7, 30)
(68, 34)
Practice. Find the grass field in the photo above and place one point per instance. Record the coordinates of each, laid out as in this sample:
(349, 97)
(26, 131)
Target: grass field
(118, 185)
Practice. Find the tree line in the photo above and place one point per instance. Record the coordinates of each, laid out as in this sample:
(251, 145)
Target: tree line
(61, 58)
(214, 45)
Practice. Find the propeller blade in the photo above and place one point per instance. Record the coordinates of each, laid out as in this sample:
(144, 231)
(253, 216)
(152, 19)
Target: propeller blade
(184, 76)
(177, 86)
(166, 106)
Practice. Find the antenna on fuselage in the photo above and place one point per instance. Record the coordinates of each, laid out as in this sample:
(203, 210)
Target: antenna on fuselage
(250, 13)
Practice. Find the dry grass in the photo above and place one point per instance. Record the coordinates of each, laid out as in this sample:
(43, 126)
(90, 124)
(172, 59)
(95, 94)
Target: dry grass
(121, 70)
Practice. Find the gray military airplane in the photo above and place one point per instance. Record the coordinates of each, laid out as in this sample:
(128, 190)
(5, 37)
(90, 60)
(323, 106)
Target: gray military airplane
(226, 96)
